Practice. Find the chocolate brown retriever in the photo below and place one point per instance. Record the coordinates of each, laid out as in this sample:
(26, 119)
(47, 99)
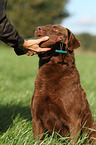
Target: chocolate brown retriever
(59, 102)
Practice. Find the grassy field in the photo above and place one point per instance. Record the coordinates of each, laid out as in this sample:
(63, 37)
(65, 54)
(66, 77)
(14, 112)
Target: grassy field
(17, 76)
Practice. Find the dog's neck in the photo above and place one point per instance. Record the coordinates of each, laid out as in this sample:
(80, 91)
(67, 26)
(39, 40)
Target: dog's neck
(62, 59)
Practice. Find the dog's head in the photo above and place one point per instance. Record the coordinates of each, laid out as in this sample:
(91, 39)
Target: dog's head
(59, 38)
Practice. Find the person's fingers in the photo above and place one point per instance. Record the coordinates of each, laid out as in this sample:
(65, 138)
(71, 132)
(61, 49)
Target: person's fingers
(43, 49)
(29, 52)
(35, 51)
(42, 39)
(31, 42)
(39, 49)
(37, 41)
(36, 48)
(31, 47)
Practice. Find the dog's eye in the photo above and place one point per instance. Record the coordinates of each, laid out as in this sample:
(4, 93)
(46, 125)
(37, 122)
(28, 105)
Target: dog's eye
(55, 29)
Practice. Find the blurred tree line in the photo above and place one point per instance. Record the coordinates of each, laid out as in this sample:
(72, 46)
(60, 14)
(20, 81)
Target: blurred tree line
(88, 42)
(26, 15)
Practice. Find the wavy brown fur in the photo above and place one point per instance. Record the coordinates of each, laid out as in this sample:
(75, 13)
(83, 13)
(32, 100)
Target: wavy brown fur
(59, 102)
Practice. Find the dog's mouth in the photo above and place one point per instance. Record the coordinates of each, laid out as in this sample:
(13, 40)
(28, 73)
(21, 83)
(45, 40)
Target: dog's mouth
(53, 39)
(54, 42)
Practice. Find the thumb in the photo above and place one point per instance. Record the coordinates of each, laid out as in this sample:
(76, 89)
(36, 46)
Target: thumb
(42, 39)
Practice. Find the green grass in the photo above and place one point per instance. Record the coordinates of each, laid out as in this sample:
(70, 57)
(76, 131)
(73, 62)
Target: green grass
(17, 76)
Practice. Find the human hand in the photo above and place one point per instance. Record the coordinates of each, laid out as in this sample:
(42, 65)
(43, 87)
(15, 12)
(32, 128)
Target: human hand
(31, 47)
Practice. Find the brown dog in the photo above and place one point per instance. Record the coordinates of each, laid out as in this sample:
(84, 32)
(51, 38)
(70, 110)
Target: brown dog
(59, 102)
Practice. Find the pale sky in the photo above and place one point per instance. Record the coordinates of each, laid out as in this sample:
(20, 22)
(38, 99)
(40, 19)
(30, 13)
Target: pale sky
(82, 16)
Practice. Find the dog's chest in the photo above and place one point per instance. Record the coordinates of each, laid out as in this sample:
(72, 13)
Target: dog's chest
(55, 82)
(53, 78)
(51, 72)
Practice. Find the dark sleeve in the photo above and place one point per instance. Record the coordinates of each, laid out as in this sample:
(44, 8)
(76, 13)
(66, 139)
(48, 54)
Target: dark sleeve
(8, 32)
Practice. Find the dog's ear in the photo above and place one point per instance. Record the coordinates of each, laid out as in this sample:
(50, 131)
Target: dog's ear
(71, 41)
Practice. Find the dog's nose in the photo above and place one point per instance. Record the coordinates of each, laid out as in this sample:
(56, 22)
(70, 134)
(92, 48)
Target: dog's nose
(39, 28)
(38, 31)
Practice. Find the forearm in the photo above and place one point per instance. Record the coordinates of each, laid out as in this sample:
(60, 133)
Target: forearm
(8, 32)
